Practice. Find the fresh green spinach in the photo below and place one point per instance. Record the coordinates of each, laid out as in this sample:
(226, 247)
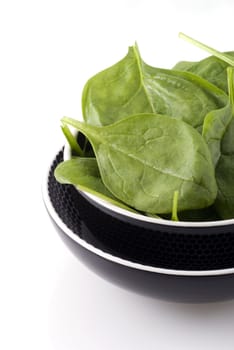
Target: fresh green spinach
(224, 203)
(74, 145)
(212, 69)
(225, 168)
(132, 87)
(84, 174)
(142, 161)
(163, 140)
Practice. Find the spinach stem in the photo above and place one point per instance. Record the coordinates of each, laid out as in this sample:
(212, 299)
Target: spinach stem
(224, 57)
(71, 140)
(174, 216)
(230, 77)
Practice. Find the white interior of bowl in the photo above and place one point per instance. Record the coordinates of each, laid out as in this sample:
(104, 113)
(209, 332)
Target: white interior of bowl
(121, 211)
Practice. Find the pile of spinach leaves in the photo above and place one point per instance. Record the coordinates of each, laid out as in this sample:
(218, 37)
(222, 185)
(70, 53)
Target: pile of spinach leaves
(158, 141)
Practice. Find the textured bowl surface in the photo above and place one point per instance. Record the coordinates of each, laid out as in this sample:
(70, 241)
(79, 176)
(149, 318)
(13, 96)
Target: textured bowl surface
(152, 246)
(183, 264)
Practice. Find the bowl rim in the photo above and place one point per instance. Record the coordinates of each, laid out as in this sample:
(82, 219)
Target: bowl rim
(143, 218)
(115, 259)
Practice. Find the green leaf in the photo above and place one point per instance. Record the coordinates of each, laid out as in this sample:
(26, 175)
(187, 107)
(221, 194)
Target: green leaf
(142, 161)
(211, 68)
(230, 80)
(84, 174)
(131, 87)
(225, 180)
(153, 216)
(225, 168)
(75, 147)
(214, 127)
(116, 92)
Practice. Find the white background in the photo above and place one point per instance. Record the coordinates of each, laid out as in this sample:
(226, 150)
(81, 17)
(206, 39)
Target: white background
(48, 49)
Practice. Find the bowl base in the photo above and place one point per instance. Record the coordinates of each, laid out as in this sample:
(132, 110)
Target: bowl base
(113, 237)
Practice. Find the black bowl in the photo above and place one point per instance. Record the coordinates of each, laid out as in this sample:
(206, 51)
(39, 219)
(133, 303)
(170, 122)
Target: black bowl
(189, 262)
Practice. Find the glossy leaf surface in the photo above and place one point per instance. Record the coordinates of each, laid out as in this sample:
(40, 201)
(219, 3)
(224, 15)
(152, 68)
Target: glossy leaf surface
(225, 168)
(211, 68)
(132, 87)
(225, 176)
(84, 174)
(142, 161)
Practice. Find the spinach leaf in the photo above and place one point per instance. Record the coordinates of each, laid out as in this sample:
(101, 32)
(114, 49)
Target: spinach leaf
(211, 68)
(225, 168)
(74, 145)
(214, 127)
(116, 92)
(79, 145)
(81, 172)
(153, 216)
(225, 180)
(145, 158)
(132, 87)
(85, 175)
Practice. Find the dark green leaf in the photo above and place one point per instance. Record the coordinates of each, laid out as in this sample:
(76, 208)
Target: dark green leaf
(225, 168)
(142, 161)
(84, 174)
(225, 176)
(75, 147)
(132, 87)
(211, 68)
